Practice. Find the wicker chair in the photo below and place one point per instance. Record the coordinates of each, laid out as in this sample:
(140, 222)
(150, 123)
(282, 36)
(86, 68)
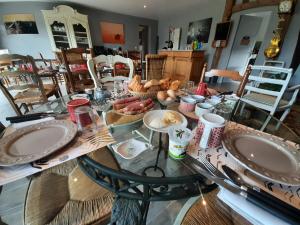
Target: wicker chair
(155, 66)
(65, 195)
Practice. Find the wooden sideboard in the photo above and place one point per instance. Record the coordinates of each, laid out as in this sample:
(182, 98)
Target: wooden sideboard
(183, 65)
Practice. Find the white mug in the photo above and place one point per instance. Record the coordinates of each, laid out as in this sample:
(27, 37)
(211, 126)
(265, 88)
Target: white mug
(211, 127)
(202, 108)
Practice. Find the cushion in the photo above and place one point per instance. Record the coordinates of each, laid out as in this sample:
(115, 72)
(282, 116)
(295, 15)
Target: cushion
(64, 195)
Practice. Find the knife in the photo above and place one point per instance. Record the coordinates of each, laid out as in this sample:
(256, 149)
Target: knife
(30, 117)
(288, 216)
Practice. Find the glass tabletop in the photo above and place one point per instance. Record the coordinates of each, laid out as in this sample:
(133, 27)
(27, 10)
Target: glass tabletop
(173, 168)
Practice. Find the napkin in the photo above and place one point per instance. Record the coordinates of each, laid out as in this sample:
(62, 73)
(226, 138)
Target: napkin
(251, 212)
(28, 123)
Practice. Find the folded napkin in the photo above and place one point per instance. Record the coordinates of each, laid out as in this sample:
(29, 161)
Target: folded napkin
(249, 211)
(28, 123)
(219, 157)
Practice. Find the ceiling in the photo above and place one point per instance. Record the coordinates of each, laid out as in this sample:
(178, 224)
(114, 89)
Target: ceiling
(155, 9)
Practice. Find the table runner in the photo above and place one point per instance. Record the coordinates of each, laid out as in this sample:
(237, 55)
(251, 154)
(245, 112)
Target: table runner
(79, 146)
(219, 157)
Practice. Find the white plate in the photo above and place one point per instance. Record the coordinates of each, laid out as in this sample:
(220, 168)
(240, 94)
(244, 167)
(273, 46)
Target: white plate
(131, 148)
(34, 142)
(154, 114)
(265, 155)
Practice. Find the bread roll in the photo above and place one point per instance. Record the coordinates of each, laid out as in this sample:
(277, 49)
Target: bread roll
(169, 99)
(165, 83)
(162, 95)
(171, 93)
(151, 83)
(154, 89)
(175, 85)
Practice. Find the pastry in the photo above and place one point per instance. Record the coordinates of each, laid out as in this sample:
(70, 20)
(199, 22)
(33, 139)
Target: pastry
(165, 83)
(175, 85)
(135, 83)
(162, 95)
(171, 93)
(171, 118)
(153, 89)
(151, 83)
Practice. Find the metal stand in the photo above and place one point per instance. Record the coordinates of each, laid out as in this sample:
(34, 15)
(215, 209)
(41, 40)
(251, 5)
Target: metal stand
(156, 167)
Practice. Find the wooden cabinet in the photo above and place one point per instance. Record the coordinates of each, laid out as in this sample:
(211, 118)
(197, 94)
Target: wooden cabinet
(183, 65)
(67, 28)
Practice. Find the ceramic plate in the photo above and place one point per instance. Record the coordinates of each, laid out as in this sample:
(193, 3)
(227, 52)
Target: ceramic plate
(154, 114)
(131, 148)
(34, 142)
(265, 155)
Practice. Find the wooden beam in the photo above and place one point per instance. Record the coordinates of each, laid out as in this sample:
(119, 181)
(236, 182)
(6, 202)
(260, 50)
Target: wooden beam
(256, 4)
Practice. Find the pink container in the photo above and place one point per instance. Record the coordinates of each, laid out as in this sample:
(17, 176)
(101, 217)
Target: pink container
(187, 104)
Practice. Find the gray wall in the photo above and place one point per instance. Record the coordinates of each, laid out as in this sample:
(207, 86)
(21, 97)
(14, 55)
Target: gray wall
(205, 9)
(34, 43)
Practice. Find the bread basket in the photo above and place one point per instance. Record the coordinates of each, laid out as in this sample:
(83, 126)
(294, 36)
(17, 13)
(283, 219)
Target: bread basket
(144, 95)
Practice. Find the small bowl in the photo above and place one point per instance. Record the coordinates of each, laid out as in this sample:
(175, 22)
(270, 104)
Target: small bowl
(187, 104)
(214, 100)
(198, 98)
(202, 108)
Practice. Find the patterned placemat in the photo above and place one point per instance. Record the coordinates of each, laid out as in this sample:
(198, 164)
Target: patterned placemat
(219, 157)
(82, 144)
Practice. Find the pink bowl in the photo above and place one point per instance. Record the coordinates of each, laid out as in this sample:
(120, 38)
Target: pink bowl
(187, 105)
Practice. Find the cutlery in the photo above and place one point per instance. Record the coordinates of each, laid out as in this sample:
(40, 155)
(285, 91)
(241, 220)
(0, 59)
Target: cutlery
(286, 213)
(261, 194)
(30, 117)
(211, 173)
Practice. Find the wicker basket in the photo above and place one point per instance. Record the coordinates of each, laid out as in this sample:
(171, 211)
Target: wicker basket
(144, 95)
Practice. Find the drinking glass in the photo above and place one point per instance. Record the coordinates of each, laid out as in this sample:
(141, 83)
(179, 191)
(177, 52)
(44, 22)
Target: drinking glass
(189, 87)
(85, 118)
(118, 87)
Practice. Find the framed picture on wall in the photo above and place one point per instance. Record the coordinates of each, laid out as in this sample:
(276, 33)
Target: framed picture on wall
(175, 37)
(199, 30)
(20, 24)
(112, 33)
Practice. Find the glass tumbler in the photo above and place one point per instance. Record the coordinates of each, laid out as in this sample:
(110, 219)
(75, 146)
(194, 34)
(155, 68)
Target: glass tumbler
(85, 118)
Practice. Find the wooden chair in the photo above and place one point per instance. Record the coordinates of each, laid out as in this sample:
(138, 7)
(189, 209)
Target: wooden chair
(108, 61)
(21, 83)
(230, 74)
(136, 57)
(155, 66)
(78, 77)
(270, 100)
(65, 195)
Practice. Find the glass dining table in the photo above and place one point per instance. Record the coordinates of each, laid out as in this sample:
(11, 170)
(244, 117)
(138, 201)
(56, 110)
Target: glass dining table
(168, 195)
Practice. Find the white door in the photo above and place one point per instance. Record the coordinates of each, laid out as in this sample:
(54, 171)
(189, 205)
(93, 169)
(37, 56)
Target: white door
(248, 28)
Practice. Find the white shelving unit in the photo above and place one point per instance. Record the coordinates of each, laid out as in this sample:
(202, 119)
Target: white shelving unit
(67, 28)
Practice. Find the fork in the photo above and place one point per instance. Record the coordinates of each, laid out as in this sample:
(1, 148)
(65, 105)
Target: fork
(211, 168)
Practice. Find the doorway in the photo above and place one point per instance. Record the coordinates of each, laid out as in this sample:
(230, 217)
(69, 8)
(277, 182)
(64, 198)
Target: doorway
(248, 40)
(143, 39)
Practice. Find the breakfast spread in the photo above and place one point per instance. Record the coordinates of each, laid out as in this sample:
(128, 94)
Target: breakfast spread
(132, 105)
(136, 85)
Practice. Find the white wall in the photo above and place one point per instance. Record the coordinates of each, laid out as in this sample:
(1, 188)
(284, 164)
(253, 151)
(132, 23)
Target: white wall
(205, 9)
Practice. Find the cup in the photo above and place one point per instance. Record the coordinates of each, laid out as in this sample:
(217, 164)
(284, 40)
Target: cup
(210, 130)
(202, 108)
(179, 139)
(187, 104)
(85, 118)
(73, 104)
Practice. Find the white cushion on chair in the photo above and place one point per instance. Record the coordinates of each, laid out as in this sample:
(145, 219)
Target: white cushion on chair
(264, 99)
